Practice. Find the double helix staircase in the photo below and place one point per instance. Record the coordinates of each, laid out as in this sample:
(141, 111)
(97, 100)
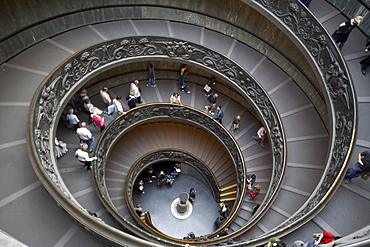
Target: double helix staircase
(25, 205)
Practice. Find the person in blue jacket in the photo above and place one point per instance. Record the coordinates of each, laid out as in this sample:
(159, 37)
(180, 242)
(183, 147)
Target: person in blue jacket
(219, 115)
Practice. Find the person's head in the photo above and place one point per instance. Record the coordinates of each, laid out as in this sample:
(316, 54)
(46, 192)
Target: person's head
(253, 176)
(105, 89)
(219, 107)
(358, 19)
(215, 95)
(84, 91)
(136, 82)
(84, 147)
(119, 97)
(298, 243)
(279, 244)
(183, 66)
(176, 94)
(238, 117)
(151, 65)
(192, 190)
(132, 93)
(138, 205)
(87, 101)
(71, 111)
(83, 125)
(258, 187)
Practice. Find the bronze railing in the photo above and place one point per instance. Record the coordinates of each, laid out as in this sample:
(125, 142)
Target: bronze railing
(54, 93)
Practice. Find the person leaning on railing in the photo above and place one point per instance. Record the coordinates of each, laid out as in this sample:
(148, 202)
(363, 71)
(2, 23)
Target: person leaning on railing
(175, 98)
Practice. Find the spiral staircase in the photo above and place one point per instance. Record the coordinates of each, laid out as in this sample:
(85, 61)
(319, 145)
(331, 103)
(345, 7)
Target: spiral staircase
(28, 211)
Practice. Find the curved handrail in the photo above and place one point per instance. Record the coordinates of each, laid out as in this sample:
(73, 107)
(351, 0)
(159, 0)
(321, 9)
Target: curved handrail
(340, 93)
(172, 154)
(153, 113)
(57, 88)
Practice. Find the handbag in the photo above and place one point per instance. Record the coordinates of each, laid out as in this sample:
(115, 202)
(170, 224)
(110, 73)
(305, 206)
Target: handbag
(111, 109)
(207, 88)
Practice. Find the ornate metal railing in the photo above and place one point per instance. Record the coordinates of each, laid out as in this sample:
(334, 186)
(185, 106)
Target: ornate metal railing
(153, 113)
(183, 157)
(336, 82)
(54, 93)
(294, 19)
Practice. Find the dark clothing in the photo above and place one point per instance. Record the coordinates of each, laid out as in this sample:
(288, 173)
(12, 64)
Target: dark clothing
(343, 32)
(365, 161)
(131, 101)
(255, 208)
(365, 63)
(211, 99)
(220, 220)
(219, 116)
(210, 84)
(354, 172)
(367, 41)
(190, 235)
(306, 3)
(250, 180)
(191, 196)
(341, 35)
(87, 164)
(183, 83)
(236, 121)
(148, 175)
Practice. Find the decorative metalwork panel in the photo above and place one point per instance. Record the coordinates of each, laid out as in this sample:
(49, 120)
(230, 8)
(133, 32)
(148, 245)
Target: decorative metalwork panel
(174, 155)
(155, 112)
(54, 93)
(338, 86)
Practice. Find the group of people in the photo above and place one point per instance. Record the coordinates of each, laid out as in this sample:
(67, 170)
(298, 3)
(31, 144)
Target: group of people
(319, 238)
(162, 177)
(223, 214)
(253, 190)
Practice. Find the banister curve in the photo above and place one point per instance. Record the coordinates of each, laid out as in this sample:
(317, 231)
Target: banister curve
(54, 92)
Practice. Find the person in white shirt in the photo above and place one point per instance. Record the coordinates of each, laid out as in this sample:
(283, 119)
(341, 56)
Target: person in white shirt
(85, 136)
(105, 96)
(60, 148)
(134, 87)
(175, 98)
(260, 136)
(83, 156)
(118, 105)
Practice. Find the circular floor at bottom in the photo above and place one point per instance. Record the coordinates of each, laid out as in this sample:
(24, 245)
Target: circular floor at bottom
(157, 200)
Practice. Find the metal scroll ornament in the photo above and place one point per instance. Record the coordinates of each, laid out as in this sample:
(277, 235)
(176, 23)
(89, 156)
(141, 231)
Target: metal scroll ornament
(54, 93)
(338, 86)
